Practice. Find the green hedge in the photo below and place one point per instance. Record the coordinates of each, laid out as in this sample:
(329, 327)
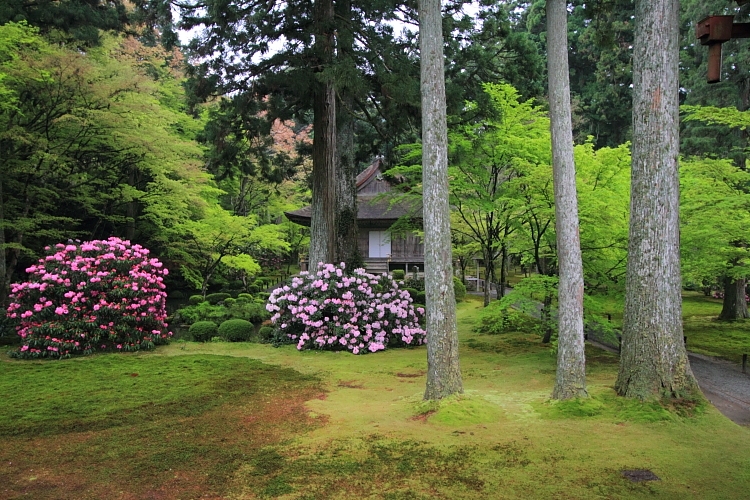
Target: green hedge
(265, 334)
(398, 274)
(236, 330)
(202, 331)
(194, 300)
(215, 298)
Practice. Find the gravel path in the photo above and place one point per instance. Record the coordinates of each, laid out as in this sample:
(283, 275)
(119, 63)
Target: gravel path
(724, 384)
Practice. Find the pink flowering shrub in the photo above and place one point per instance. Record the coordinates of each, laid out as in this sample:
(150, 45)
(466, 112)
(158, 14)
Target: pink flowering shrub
(85, 297)
(329, 309)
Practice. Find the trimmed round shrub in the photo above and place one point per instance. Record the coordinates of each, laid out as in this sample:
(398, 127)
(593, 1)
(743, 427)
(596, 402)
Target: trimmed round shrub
(263, 296)
(215, 298)
(253, 289)
(265, 334)
(194, 300)
(398, 274)
(459, 288)
(203, 331)
(228, 302)
(412, 293)
(245, 296)
(177, 295)
(330, 310)
(236, 330)
(92, 296)
(421, 297)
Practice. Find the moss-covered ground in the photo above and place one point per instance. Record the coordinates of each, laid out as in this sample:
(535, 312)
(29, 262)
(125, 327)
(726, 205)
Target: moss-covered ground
(248, 421)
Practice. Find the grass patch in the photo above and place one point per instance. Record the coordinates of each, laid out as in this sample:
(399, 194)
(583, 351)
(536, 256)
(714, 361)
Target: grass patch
(243, 420)
(141, 423)
(609, 406)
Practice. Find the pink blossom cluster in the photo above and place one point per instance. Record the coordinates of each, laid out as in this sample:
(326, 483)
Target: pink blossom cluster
(84, 297)
(360, 312)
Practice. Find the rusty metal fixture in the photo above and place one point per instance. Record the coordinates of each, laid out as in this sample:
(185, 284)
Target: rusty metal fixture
(714, 31)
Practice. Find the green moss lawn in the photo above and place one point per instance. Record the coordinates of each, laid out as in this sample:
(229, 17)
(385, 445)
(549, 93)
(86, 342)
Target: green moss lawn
(246, 421)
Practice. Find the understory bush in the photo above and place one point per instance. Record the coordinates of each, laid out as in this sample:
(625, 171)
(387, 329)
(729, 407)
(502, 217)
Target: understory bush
(331, 310)
(91, 296)
(196, 299)
(265, 334)
(398, 274)
(499, 318)
(215, 298)
(236, 330)
(252, 310)
(203, 331)
(459, 289)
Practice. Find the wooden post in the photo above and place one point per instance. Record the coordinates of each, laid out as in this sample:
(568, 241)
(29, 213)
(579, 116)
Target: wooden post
(744, 363)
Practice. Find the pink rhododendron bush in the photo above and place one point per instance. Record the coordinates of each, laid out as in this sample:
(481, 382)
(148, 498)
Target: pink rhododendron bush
(91, 296)
(332, 310)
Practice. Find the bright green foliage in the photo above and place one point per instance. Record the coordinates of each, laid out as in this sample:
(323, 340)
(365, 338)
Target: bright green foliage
(100, 148)
(398, 274)
(76, 21)
(603, 178)
(715, 221)
(498, 318)
(236, 330)
(203, 331)
(265, 334)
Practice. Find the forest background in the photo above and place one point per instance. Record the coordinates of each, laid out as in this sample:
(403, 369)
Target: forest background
(109, 127)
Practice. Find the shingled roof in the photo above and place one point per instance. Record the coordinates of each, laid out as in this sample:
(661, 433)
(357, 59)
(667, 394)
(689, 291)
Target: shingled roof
(372, 207)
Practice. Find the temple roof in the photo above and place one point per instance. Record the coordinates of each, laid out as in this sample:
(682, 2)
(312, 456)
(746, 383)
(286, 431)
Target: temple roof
(371, 205)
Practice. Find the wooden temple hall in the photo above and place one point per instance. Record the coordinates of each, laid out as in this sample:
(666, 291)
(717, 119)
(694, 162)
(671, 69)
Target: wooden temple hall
(381, 251)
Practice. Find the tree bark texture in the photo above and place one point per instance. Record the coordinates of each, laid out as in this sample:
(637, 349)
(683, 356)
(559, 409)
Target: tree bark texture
(653, 360)
(734, 306)
(571, 358)
(323, 226)
(347, 247)
(443, 370)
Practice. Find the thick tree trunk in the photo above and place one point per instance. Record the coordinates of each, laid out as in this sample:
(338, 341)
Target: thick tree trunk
(323, 226)
(347, 248)
(653, 360)
(571, 358)
(734, 306)
(443, 370)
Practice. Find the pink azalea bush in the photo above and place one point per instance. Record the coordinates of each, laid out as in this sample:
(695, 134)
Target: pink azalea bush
(331, 310)
(85, 297)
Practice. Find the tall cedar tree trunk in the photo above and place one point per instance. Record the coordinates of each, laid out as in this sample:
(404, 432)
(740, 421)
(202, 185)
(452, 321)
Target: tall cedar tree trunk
(734, 306)
(653, 360)
(443, 370)
(571, 359)
(347, 248)
(323, 226)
